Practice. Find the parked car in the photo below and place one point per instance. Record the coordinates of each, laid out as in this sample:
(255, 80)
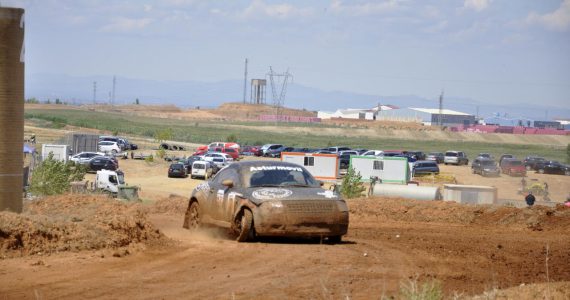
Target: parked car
(210, 155)
(553, 167)
(202, 169)
(188, 163)
(360, 151)
(262, 198)
(530, 162)
(122, 143)
(250, 150)
(438, 157)
(455, 158)
(177, 170)
(219, 163)
(84, 157)
(277, 152)
(322, 151)
(485, 167)
(425, 167)
(513, 167)
(269, 147)
(373, 153)
(109, 147)
(419, 155)
(102, 163)
(344, 160)
(485, 155)
(337, 149)
(349, 152)
(231, 152)
(301, 150)
(505, 156)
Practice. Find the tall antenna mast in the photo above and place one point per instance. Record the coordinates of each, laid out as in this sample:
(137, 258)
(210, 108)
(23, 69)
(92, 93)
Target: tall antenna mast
(245, 82)
(278, 89)
(440, 117)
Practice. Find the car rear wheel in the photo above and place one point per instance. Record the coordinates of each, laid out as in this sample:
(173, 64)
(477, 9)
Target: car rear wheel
(244, 226)
(192, 218)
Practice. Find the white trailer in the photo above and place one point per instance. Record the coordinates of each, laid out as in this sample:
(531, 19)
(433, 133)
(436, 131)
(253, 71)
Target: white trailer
(60, 152)
(321, 166)
(388, 169)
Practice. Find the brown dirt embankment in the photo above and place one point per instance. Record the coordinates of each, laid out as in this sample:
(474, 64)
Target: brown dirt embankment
(74, 223)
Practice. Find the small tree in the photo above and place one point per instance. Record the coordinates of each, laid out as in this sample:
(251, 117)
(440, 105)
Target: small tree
(53, 177)
(352, 186)
(161, 153)
(163, 135)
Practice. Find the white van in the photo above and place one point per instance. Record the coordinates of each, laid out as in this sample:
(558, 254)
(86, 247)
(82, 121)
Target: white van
(202, 169)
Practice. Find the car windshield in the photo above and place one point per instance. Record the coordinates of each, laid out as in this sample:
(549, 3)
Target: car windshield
(199, 166)
(487, 163)
(121, 177)
(279, 176)
(450, 154)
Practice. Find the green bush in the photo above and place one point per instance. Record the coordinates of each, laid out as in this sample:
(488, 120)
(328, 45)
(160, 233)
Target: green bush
(430, 290)
(149, 159)
(161, 153)
(232, 138)
(352, 186)
(53, 177)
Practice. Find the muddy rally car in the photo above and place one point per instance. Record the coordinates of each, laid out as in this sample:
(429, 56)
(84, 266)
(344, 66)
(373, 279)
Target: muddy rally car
(261, 198)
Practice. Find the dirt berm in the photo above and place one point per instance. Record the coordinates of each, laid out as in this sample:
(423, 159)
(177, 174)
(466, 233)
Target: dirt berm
(74, 223)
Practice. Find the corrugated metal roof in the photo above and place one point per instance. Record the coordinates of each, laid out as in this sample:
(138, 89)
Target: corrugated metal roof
(435, 111)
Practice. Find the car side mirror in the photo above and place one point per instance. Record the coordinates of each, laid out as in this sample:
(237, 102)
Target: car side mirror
(321, 183)
(228, 182)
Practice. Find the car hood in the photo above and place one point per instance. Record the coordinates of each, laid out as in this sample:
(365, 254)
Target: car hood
(259, 195)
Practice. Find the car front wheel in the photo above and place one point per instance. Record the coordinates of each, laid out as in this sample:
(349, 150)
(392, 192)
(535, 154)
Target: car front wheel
(192, 219)
(244, 226)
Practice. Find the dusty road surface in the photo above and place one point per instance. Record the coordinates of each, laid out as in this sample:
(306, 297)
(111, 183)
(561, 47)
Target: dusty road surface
(469, 249)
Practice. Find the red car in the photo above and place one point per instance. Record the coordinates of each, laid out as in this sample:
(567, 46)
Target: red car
(513, 167)
(231, 152)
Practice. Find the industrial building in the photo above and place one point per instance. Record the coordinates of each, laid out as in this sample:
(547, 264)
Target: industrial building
(426, 116)
(355, 113)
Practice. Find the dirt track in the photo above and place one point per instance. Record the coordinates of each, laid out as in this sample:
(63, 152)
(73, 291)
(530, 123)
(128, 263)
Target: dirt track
(469, 249)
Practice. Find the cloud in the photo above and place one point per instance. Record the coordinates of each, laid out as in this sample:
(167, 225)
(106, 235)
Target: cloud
(477, 5)
(368, 8)
(258, 8)
(558, 20)
(122, 24)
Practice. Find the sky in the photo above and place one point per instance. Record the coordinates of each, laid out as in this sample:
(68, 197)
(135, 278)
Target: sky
(491, 51)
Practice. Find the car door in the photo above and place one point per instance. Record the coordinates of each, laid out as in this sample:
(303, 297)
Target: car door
(216, 196)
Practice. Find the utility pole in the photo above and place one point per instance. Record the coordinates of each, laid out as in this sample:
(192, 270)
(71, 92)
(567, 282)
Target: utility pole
(94, 92)
(245, 82)
(113, 91)
(440, 117)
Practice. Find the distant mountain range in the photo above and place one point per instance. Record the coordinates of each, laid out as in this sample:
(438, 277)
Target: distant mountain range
(75, 89)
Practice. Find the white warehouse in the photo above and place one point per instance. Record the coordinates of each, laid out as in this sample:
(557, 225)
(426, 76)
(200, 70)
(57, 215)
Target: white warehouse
(427, 116)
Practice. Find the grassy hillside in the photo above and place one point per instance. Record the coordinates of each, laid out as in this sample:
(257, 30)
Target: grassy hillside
(205, 132)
